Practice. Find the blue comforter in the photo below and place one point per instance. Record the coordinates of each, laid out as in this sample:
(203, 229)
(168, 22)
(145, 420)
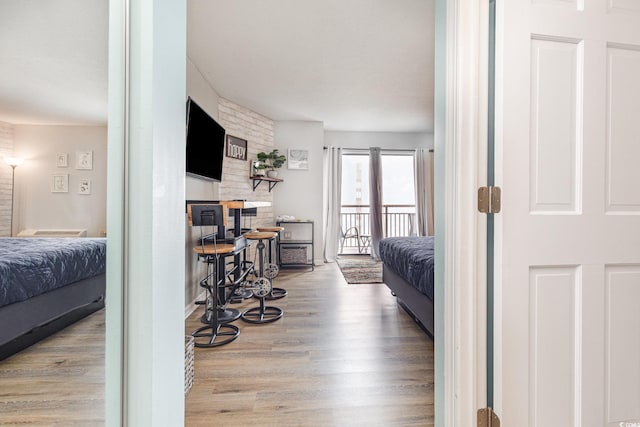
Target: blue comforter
(32, 266)
(412, 259)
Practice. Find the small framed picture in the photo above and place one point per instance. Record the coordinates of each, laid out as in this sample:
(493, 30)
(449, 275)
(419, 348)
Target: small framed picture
(62, 160)
(84, 187)
(236, 147)
(84, 160)
(60, 183)
(298, 159)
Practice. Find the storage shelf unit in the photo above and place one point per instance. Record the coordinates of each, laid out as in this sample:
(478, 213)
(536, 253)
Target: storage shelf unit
(296, 244)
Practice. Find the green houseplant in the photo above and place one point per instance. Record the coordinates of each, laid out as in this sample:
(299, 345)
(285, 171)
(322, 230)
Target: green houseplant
(272, 161)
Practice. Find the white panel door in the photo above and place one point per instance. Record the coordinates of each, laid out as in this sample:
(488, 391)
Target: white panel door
(568, 238)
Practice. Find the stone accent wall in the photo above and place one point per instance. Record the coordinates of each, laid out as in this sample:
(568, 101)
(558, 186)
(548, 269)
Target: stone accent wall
(6, 149)
(258, 131)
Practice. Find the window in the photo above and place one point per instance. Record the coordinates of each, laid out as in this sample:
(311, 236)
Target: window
(397, 192)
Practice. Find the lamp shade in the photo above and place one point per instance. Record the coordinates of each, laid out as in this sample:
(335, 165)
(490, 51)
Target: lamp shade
(13, 161)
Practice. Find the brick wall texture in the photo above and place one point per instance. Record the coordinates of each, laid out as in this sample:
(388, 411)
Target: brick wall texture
(258, 131)
(6, 149)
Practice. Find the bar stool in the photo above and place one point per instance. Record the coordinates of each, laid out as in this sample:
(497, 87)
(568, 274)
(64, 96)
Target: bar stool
(217, 331)
(262, 313)
(212, 217)
(273, 269)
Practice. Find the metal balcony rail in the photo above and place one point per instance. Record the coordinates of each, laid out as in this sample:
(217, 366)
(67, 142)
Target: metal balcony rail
(397, 220)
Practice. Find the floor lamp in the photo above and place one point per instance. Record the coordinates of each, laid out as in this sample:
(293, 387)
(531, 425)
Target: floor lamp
(13, 162)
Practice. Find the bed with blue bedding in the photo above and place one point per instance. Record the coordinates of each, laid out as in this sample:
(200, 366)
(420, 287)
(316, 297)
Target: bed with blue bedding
(408, 270)
(47, 284)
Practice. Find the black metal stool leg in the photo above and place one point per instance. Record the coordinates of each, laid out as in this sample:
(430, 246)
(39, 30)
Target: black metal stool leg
(262, 314)
(239, 294)
(215, 333)
(225, 315)
(276, 293)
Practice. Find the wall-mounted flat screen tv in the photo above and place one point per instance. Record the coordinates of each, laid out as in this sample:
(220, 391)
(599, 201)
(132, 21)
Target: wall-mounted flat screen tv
(205, 144)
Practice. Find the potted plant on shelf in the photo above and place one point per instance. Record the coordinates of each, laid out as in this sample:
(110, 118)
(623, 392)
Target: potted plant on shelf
(259, 167)
(271, 161)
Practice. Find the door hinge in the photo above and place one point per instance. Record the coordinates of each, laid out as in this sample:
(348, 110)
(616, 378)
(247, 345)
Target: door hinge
(489, 199)
(488, 418)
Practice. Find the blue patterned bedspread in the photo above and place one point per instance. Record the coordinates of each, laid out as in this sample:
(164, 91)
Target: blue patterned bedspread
(33, 266)
(412, 259)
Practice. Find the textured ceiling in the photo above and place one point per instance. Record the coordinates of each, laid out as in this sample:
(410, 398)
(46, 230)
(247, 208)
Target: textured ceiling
(352, 64)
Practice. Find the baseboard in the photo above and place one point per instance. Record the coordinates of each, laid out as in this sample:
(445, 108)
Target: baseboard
(191, 307)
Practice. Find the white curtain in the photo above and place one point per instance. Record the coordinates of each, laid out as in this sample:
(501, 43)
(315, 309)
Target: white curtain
(332, 200)
(375, 200)
(424, 191)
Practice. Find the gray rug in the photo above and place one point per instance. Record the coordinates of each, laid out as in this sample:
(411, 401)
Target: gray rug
(360, 269)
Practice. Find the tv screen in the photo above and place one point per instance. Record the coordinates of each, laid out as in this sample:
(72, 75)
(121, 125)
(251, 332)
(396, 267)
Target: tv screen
(205, 144)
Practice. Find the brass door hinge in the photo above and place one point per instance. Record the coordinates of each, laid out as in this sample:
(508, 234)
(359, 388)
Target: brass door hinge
(489, 199)
(488, 418)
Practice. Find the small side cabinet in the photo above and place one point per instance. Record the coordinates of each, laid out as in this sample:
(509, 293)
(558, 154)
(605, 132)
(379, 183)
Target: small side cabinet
(296, 244)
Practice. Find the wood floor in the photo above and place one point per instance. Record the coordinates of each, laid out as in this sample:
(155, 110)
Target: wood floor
(58, 381)
(342, 355)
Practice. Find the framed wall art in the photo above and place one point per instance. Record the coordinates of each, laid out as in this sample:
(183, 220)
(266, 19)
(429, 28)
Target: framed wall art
(298, 159)
(62, 160)
(60, 183)
(84, 187)
(84, 160)
(236, 147)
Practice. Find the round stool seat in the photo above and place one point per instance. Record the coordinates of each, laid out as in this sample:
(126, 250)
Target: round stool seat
(259, 235)
(221, 249)
(271, 229)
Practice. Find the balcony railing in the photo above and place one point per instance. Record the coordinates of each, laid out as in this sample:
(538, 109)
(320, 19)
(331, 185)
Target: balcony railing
(397, 220)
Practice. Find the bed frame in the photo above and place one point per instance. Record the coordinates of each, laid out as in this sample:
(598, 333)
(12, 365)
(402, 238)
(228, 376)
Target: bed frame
(416, 304)
(27, 322)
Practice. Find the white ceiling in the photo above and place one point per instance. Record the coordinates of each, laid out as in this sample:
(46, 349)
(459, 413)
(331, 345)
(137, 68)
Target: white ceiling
(53, 61)
(362, 65)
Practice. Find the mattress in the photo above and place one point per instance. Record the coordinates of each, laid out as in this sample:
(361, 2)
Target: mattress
(33, 266)
(412, 259)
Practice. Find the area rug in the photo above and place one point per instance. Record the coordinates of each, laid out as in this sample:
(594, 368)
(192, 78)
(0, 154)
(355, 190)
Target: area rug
(360, 269)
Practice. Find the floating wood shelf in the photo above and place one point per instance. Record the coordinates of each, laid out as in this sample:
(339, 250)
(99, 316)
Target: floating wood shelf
(258, 179)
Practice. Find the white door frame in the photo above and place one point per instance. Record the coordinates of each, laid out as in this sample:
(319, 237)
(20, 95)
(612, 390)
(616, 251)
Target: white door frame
(461, 167)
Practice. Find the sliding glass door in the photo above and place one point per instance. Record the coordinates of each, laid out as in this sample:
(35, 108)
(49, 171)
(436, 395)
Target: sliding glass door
(398, 196)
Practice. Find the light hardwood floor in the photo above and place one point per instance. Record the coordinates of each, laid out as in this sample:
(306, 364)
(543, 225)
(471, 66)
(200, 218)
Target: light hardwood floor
(58, 381)
(342, 355)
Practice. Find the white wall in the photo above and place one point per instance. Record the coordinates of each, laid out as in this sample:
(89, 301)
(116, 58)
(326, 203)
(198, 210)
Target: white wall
(388, 140)
(197, 189)
(207, 98)
(35, 205)
(300, 194)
